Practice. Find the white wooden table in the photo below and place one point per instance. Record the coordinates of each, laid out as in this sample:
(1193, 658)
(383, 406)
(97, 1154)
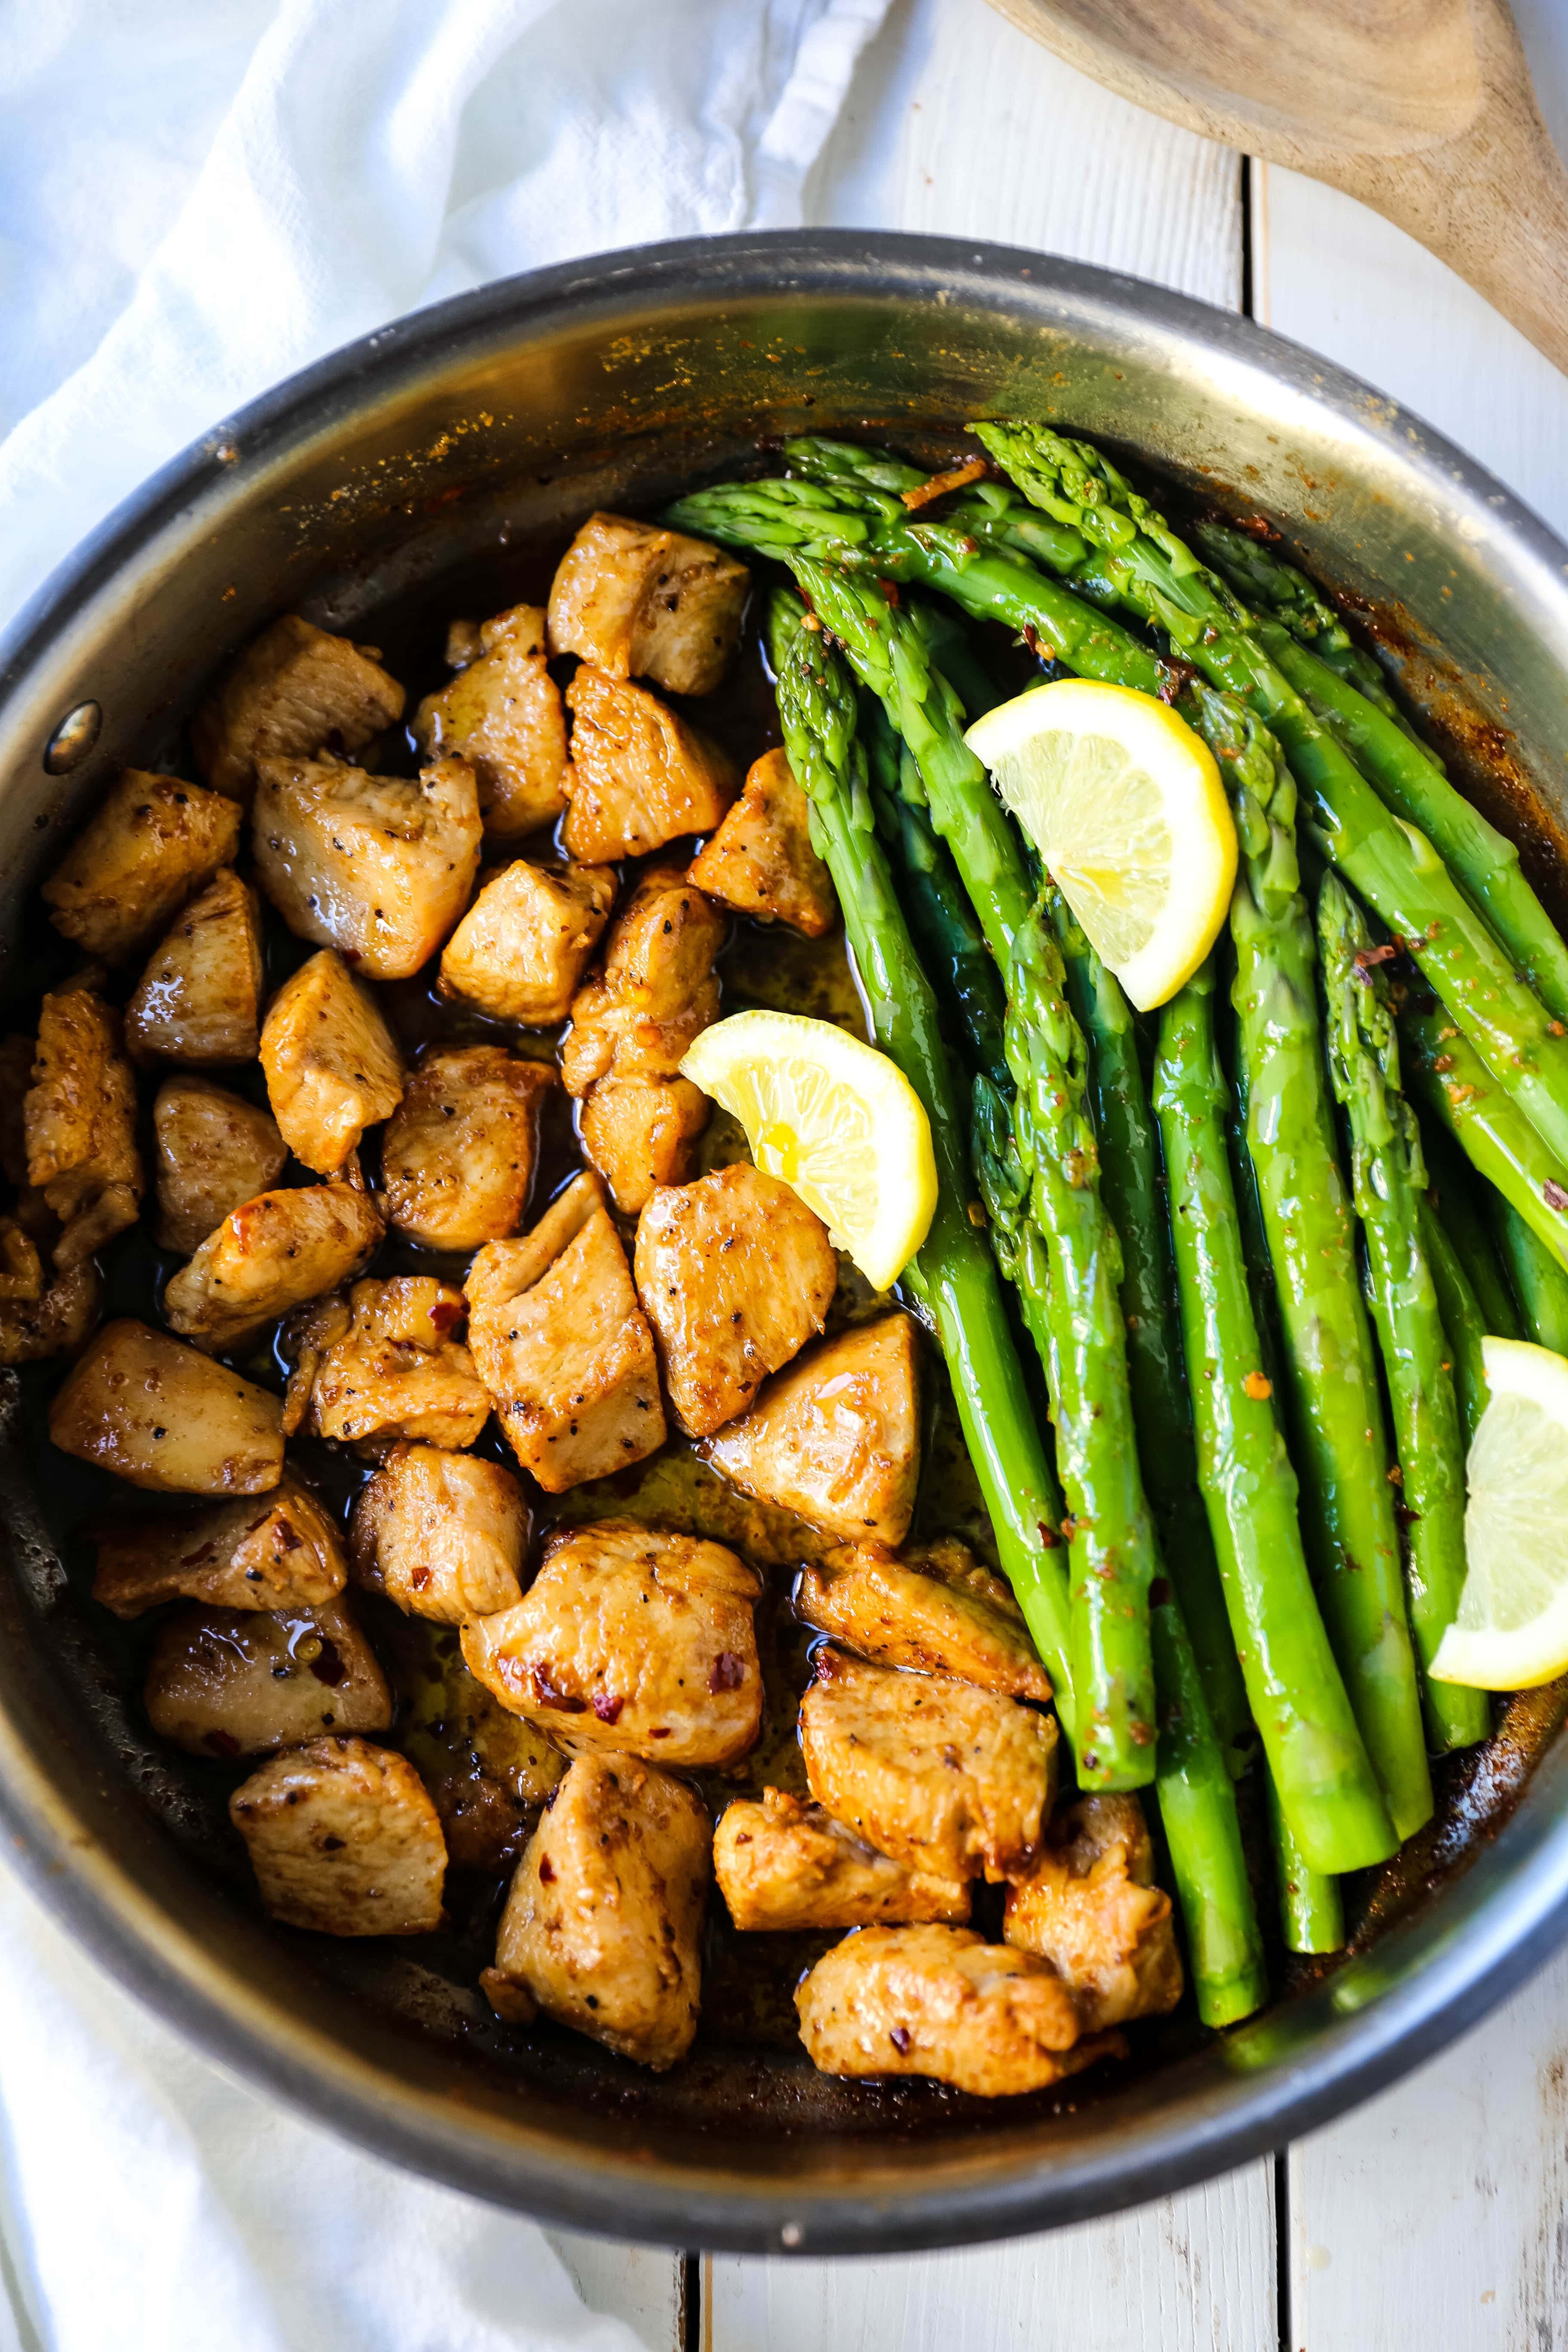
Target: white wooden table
(1436, 2217)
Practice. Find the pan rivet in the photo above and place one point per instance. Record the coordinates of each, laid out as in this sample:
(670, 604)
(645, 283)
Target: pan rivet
(790, 2234)
(73, 739)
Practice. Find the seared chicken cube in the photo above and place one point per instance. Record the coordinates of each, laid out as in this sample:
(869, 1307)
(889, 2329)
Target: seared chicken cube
(331, 1067)
(633, 1640)
(502, 714)
(153, 842)
(736, 1274)
(397, 1371)
(640, 602)
(344, 1839)
(943, 2001)
(79, 1118)
(226, 1682)
(782, 1865)
(563, 1346)
(603, 1925)
(376, 867)
(937, 1774)
(57, 1322)
(215, 1151)
(760, 860)
(640, 775)
(303, 1342)
(269, 1255)
(292, 692)
(275, 1551)
(641, 1133)
(940, 1613)
(199, 998)
(655, 992)
(440, 1534)
(837, 1438)
(457, 1153)
(1090, 1906)
(484, 1767)
(159, 1414)
(522, 947)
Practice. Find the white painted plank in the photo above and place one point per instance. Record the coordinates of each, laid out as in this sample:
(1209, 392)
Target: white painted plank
(637, 2285)
(1190, 2273)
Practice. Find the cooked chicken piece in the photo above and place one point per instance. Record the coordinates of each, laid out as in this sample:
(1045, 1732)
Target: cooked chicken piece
(633, 1640)
(153, 843)
(80, 1116)
(943, 2001)
(376, 867)
(522, 948)
(293, 691)
(269, 1255)
(159, 1414)
(655, 992)
(21, 1267)
(760, 860)
(440, 1534)
(940, 1613)
(484, 1767)
(331, 1066)
(303, 1341)
(563, 1346)
(215, 1151)
(837, 1438)
(736, 1274)
(641, 1133)
(225, 1682)
(457, 1153)
(199, 998)
(782, 1865)
(277, 1551)
(603, 1922)
(502, 714)
(57, 1322)
(640, 775)
(343, 1839)
(639, 602)
(397, 1371)
(935, 1773)
(1090, 1906)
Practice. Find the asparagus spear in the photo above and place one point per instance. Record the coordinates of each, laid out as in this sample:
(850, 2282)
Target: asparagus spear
(1454, 1189)
(1489, 1128)
(1538, 1285)
(1463, 1324)
(1388, 1181)
(1311, 1915)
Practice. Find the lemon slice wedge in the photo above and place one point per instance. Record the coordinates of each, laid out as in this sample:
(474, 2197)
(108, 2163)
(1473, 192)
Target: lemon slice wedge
(836, 1120)
(1125, 804)
(1512, 1628)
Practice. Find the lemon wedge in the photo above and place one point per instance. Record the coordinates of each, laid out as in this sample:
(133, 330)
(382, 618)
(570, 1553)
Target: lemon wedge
(1125, 804)
(836, 1120)
(1512, 1628)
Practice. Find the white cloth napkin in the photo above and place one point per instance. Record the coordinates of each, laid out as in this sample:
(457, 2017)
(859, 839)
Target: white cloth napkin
(198, 197)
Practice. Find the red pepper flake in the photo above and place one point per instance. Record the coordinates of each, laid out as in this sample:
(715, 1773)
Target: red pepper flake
(727, 1673)
(546, 1871)
(957, 478)
(890, 589)
(422, 1577)
(445, 1313)
(550, 1694)
(1048, 1535)
(900, 2035)
(1553, 1193)
(1367, 956)
(608, 1708)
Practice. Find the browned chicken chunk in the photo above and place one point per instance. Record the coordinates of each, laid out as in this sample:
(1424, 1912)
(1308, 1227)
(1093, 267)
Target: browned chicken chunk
(269, 1255)
(199, 1000)
(835, 1439)
(293, 691)
(636, 1017)
(57, 1321)
(1090, 1906)
(639, 602)
(524, 944)
(215, 1151)
(502, 714)
(563, 1346)
(159, 1414)
(79, 1118)
(633, 1640)
(484, 1767)
(440, 1534)
(149, 845)
(760, 860)
(397, 1371)
(603, 1925)
(331, 1067)
(457, 1154)
(937, 1774)
(641, 1133)
(640, 775)
(782, 1866)
(225, 1682)
(376, 867)
(943, 2001)
(736, 1274)
(276, 1551)
(343, 1839)
(938, 1612)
